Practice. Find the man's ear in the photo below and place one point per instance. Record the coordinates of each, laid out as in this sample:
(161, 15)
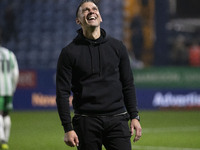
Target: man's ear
(78, 21)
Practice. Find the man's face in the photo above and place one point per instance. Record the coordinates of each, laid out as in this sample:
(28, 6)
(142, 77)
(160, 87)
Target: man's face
(88, 15)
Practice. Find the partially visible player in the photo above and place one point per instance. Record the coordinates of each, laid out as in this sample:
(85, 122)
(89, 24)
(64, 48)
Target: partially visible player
(9, 74)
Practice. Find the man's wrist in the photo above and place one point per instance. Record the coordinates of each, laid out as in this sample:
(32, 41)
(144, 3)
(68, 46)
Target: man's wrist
(67, 127)
(137, 117)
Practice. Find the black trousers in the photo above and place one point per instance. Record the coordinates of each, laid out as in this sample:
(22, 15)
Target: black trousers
(94, 131)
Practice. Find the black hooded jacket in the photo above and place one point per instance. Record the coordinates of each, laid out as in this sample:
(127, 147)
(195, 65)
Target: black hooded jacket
(99, 75)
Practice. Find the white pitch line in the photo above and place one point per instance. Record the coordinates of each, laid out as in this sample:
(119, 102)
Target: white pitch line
(161, 148)
(171, 129)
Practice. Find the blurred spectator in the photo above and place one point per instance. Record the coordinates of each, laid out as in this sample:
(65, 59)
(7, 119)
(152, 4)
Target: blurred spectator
(179, 53)
(194, 54)
(137, 36)
(9, 29)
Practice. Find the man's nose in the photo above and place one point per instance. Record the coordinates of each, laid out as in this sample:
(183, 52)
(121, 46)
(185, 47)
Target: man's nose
(91, 11)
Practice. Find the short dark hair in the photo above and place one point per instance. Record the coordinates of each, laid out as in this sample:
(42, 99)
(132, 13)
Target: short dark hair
(84, 1)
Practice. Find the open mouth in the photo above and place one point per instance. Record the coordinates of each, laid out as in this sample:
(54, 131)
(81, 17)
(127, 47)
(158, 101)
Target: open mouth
(91, 18)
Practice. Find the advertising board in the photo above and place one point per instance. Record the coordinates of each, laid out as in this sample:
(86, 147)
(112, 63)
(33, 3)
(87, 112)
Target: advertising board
(156, 88)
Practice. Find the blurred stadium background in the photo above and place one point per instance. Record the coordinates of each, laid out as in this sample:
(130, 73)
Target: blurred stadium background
(162, 38)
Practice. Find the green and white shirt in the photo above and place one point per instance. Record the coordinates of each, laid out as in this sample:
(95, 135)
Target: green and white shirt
(9, 72)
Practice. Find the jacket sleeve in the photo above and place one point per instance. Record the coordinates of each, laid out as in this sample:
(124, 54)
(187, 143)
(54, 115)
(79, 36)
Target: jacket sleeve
(127, 81)
(63, 88)
(15, 71)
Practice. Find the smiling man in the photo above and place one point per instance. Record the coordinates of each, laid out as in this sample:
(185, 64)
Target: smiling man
(96, 68)
(89, 18)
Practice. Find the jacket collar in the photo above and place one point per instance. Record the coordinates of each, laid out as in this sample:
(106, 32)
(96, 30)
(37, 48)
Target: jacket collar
(81, 39)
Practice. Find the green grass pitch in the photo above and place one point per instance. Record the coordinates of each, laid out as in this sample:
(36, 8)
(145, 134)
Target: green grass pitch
(162, 130)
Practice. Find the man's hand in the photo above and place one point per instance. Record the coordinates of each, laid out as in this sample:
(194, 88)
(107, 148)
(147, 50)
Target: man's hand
(71, 139)
(135, 125)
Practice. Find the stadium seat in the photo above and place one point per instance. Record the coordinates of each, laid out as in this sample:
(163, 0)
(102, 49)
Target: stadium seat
(45, 27)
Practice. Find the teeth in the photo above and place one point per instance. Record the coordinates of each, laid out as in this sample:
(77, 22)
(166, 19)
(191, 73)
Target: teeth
(90, 18)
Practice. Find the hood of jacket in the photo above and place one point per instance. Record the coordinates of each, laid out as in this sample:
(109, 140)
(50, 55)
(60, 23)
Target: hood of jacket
(95, 59)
